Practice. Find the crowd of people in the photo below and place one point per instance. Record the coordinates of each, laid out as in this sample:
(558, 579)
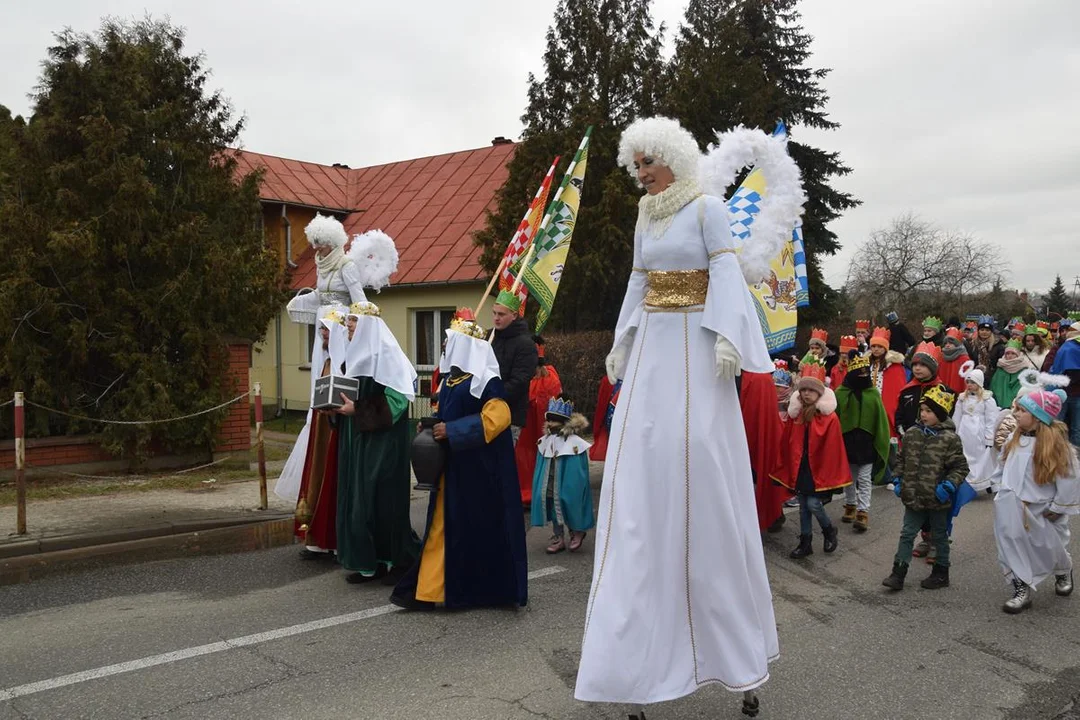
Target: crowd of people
(704, 438)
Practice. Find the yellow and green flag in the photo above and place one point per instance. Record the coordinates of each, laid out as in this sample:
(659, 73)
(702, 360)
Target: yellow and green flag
(544, 272)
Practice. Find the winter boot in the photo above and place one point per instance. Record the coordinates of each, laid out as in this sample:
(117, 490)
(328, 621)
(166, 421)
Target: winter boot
(849, 514)
(895, 581)
(830, 534)
(923, 547)
(939, 578)
(862, 521)
(804, 549)
(1063, 584)
(1021, 599)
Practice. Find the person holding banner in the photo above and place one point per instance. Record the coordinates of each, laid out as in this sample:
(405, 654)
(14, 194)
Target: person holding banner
(680, 597)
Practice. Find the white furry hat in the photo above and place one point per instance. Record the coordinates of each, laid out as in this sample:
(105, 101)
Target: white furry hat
(326, 230)
(664, 139)
(376, 258)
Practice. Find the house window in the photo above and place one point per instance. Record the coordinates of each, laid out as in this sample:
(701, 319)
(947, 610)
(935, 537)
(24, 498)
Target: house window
(429, 328)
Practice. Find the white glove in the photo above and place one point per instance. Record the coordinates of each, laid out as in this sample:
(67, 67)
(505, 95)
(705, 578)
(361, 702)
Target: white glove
(616, 363)
(728, 360)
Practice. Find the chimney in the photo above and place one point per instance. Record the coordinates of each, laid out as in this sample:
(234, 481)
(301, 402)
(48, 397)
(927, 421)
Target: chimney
(500, 140)
(343, 166)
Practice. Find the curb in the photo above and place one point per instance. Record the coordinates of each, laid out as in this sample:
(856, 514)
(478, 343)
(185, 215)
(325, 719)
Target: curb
(211, 537)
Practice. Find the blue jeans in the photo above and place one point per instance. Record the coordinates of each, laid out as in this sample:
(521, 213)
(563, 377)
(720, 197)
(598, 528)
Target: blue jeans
(812, 505)
(1070, 415)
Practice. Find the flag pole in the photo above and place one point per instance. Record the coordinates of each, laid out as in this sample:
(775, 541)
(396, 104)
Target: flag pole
(528, 212)
(547, 218)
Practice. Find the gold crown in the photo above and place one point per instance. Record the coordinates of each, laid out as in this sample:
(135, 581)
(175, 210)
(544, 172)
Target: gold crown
(940, 396)
(858, 363)
(365, 308)
(467, 327)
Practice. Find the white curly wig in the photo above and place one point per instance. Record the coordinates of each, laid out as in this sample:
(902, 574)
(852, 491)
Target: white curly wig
(326, 230)
(663, 139)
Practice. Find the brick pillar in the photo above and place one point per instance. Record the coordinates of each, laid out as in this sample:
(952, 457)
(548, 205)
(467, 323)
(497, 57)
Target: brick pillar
(234, 436)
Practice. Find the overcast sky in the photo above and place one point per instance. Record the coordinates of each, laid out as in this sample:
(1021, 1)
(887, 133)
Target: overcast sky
(960, 111)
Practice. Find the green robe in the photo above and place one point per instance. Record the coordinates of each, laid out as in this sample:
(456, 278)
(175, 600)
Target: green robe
(866, 412)
(374, 483)
(1005, 387)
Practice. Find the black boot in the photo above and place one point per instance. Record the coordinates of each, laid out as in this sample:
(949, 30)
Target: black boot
(804, 548)
(830, 534)
(939, 578)
(895, 581)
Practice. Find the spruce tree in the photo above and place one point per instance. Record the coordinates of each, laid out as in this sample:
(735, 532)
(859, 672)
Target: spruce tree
(1057, 300)
(602, 67)
(745, 62)
(132, 251)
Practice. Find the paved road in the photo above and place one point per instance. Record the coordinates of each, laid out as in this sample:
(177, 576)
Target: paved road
(847, 648)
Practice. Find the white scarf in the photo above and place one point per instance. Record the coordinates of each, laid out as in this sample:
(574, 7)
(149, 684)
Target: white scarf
(331, 262)
(655, 212)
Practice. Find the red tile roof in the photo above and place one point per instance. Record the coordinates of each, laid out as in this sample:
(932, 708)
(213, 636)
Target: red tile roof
(430, 206)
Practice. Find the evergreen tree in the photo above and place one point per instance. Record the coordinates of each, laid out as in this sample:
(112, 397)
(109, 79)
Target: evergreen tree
(1057, 300)
(132, 251)
(744, 62)
(602, 68)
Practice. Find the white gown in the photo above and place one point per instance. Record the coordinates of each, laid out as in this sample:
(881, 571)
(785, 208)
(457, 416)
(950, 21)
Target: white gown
(1030, 547)
(680, 597)
(976, 418)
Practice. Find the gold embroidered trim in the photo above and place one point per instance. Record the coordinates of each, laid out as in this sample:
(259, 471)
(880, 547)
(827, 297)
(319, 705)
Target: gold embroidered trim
(686, 484)
(687, 309)
(677, 288)
(455, 381)
(639, 270)
(722, 251)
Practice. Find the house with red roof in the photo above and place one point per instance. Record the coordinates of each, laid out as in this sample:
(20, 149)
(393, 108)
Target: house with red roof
(430, 206)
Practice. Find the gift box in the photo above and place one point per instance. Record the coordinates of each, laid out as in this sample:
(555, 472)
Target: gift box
(328, 390)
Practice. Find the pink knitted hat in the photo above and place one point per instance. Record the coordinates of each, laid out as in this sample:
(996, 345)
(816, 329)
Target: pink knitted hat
(1044, 404)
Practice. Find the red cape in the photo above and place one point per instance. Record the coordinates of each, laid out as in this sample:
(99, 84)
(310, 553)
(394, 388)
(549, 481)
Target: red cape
(761, 418)
(949, 373)
(541, 390)
(828, 458)
(837, 375)
(598, 451)
(894, 380)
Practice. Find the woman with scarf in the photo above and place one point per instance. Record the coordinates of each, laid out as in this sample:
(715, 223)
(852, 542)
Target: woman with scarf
(988, 350)
(1006, 382)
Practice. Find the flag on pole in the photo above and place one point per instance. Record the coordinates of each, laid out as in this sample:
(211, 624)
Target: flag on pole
(776, 297)
(552, 244)
(524, 234)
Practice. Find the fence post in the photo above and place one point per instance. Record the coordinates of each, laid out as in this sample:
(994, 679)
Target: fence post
(20, 465)
(259, 446)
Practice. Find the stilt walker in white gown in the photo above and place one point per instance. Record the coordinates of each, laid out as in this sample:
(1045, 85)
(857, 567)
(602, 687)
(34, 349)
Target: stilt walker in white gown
(680, 596)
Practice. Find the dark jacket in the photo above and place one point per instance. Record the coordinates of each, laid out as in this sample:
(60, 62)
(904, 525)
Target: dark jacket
(927, 457)
(901, 340)
(517, 355)
(907, 406)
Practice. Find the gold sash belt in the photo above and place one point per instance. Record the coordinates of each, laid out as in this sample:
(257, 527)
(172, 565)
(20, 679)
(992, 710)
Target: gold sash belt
(676, 288)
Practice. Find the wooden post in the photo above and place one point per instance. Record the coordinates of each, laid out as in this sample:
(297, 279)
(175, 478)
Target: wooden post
(259, 446)
(487, 292)
(20, 464)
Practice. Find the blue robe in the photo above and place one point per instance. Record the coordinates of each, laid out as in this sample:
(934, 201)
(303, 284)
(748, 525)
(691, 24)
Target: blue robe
(573, 493)
(481, 528)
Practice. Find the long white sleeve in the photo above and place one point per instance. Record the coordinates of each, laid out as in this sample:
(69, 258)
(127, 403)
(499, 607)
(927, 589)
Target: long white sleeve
(634, 300)
(1067, 496)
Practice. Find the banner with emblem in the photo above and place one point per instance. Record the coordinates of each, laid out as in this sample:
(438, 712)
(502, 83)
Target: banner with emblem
(543, 270)
(778, 296)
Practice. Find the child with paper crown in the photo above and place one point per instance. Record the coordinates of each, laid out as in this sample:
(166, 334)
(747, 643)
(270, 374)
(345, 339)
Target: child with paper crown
(866, 439)
(928, 472)
(562, 478)
(1040, 489)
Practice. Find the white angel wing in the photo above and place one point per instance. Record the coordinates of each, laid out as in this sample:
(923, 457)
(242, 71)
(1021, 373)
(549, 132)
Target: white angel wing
(375, 256)
(782, 204)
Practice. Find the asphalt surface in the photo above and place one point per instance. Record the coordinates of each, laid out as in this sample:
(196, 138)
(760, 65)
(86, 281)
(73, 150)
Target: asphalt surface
(848, 649)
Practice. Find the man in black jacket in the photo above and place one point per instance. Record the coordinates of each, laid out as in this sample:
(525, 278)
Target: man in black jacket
(517, 355)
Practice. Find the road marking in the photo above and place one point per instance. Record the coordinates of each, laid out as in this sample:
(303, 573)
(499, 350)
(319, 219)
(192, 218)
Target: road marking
(244, 641)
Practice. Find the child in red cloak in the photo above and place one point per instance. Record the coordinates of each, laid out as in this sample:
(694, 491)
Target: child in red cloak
(955, 354)
(544, 386)
(815, 461)
(840, 369)
(887, 373)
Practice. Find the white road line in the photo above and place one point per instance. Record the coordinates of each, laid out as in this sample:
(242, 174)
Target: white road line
(232, 644)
